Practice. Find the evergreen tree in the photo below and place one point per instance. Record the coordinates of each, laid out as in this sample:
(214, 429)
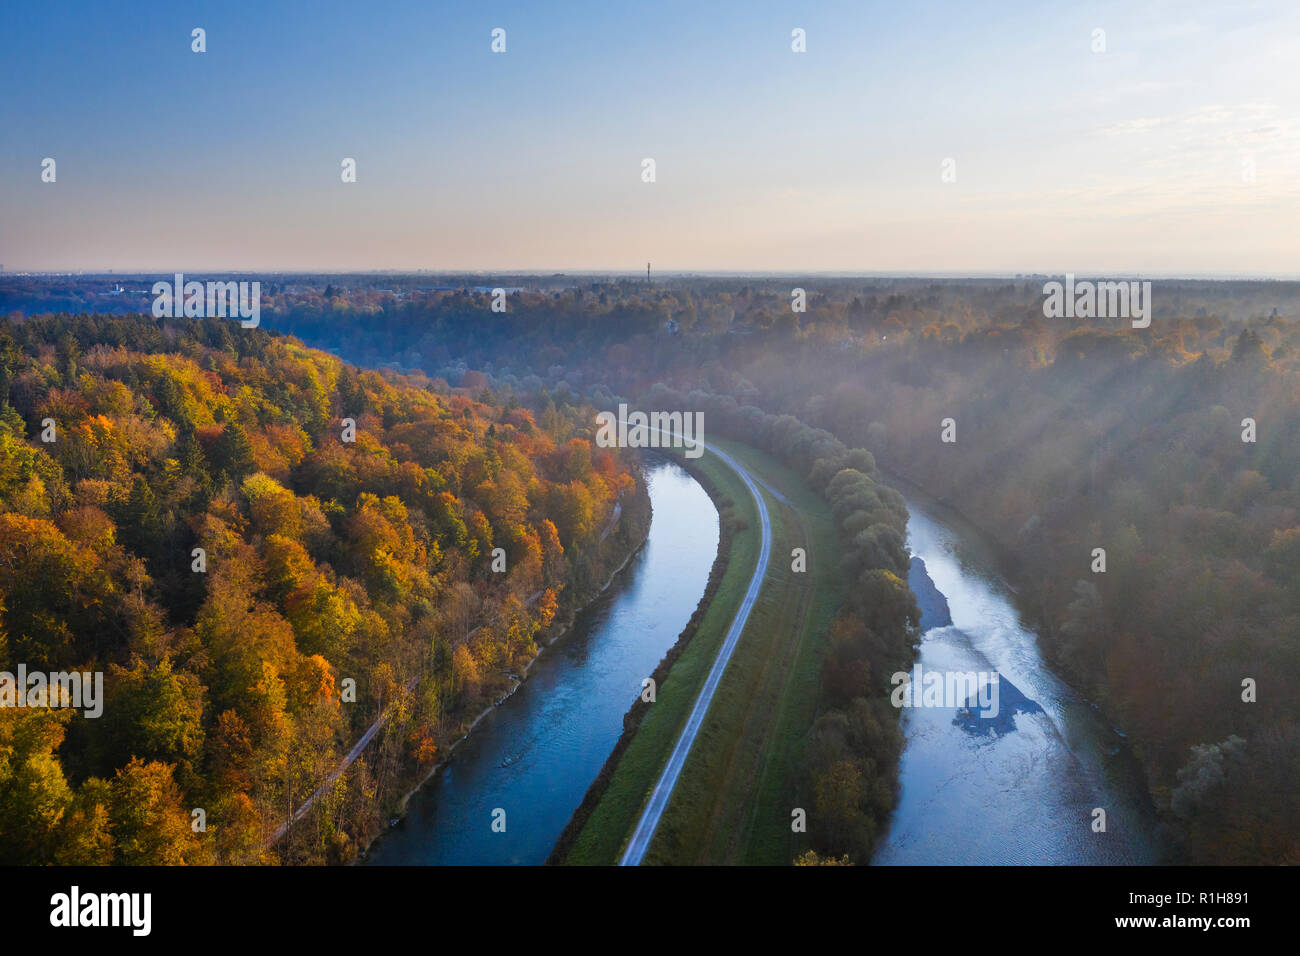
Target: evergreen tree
(232, 455)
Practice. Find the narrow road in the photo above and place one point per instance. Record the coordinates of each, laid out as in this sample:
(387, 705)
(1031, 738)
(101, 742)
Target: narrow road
(663, 791)
(337, 772)
(359, 747)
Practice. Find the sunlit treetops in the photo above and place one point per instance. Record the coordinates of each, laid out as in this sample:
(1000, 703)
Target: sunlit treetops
(232, 526)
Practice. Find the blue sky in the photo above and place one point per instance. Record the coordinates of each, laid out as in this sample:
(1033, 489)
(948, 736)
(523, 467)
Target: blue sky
(1177, 150)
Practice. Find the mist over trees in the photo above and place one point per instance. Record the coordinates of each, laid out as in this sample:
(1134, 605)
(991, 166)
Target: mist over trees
(1072, 435)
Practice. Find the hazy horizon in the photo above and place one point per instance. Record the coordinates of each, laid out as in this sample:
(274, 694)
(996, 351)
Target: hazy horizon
(671, 273)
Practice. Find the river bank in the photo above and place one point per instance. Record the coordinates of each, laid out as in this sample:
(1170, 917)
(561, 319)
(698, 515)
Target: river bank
(557, 631)
(532, 757)
(1012, 574)
(632, 719)
(620, 543)
(1036, 778)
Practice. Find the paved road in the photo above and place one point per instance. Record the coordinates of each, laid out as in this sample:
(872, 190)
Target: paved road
(663, 791)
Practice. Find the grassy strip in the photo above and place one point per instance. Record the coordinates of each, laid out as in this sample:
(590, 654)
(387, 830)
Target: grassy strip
(733, 801)
(608, 814)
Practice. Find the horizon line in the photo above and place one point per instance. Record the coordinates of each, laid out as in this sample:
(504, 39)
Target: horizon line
(673, 273)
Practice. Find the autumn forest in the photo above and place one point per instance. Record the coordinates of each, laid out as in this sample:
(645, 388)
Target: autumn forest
(269, 550)
(259, 587)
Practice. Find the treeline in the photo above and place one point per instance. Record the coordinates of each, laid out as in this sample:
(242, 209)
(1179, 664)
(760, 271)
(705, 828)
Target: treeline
(628, 334)
(849, 775)
(262, 549)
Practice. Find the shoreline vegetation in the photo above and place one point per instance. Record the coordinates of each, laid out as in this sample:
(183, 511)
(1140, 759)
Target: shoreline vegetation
(846, 777)
(559, 629)
(590, 575)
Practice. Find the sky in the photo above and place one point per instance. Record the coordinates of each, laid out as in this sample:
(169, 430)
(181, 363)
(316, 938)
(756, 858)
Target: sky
(1175, 150)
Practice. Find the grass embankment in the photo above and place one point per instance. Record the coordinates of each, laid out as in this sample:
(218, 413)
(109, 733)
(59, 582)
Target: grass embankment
(733, 800)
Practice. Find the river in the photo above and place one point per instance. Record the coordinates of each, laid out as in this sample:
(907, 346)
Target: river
(535, 755)
(1023, 791)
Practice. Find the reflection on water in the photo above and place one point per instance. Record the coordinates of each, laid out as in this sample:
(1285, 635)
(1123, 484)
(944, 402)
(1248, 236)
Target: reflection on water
(1019, 788)
(535, 755)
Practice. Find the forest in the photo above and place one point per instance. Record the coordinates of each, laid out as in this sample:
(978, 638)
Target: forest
(263, 549)
(1174, 448)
